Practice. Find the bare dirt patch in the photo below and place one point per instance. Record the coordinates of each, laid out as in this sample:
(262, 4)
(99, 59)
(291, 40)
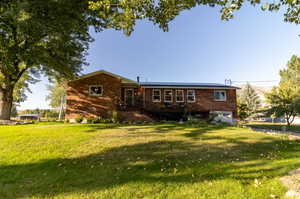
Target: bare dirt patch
(292, 182)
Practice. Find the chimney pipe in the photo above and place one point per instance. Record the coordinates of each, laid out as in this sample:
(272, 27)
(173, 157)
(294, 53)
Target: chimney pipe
(138, 79)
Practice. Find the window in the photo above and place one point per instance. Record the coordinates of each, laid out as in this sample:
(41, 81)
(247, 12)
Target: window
(191, 96)
(156, 95)
(220, 95)
(168, 96)
(96, 90)
(179, 96)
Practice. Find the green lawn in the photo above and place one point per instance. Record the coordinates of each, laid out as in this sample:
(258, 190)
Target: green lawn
(274, 126)
(142, 161)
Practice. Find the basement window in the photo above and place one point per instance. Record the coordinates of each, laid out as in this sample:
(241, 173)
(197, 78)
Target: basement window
(191, 97)
(156, 95)
(96, 90)
(220, 95)
(168, 96)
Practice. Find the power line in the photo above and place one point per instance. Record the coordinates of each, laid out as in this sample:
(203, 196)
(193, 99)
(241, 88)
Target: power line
(256, 81)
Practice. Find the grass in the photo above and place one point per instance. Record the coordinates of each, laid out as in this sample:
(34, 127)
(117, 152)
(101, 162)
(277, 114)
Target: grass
(274, 126)
(53, 160)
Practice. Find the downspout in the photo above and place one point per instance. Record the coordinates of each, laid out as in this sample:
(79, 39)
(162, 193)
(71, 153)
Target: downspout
(144, 97)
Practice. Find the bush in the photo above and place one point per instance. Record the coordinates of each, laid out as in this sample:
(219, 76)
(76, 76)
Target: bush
(106, 121)
(79, 119)
(211, 117)
(93, 120)
(114, 117)
(195, 121)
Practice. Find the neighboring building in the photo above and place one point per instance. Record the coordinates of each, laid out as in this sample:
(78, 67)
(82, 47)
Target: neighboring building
(30, 117)
(100, 93)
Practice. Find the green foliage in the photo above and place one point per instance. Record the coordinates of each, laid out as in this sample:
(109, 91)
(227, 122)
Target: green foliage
(52, 37)
(242, 110)
(249, 102)
(22, 86)
(212, 117)
(122, 14)
(57, 95)
(43, 113)
(193, 121)
(292, 72)
(93, 120)
(285, 99)
(79, 119)
(114, 116)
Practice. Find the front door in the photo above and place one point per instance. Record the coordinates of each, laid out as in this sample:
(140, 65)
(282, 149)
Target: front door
(129, 97)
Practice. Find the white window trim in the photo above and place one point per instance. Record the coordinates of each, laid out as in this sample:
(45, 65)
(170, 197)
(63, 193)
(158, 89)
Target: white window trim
(153, 100)
(90, 86)
(176, 95)
(220, 100)
(169, 101)
(187, 96)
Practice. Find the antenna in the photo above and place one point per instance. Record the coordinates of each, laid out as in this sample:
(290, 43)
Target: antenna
(228, 82)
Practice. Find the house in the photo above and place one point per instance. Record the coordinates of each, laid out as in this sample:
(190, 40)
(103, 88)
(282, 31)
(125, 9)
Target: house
(101, 93)
(35, 117)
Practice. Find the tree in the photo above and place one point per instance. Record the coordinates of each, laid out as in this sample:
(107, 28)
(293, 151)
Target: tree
(57, 97)
(19, 93)
(242, 110)
(52, 37)
(250, 98)
(292, 72)
(284, 102)
(285, 99)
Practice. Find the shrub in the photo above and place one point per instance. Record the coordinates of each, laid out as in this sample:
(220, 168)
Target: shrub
(106, 121)
(79, 119)
(212, 117)
(195, 121)
(93, 120)
(114, 117)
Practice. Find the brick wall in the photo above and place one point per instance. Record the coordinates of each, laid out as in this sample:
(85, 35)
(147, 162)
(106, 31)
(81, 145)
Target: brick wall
(79, 102)
(204, 101)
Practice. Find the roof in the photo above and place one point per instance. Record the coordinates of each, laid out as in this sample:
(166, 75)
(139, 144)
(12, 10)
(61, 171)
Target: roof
(29, 115)
(185, 85)
(123, 79)
(160, 84)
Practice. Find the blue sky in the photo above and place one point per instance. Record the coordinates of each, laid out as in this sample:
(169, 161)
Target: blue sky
(199, 47)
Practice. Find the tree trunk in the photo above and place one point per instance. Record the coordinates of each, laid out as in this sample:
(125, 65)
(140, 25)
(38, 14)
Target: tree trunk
(288, 121)
(6, 101)
(61, 108)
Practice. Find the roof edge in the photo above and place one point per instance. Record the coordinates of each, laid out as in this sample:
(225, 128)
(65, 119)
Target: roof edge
(192, 87)
(107, 73)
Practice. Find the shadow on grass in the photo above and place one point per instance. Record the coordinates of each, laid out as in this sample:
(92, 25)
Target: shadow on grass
(152, 162)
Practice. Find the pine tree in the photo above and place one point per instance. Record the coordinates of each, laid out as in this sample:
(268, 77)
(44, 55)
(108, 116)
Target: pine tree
(250, 98)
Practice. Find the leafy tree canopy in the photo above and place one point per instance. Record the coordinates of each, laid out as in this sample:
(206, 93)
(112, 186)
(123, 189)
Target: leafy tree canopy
(57, 95)
(52, 36)
(285, 99)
